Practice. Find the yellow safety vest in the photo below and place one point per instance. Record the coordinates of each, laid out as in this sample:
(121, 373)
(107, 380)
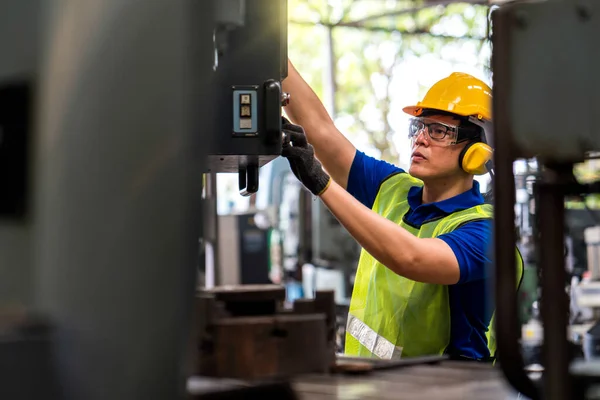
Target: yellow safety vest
(391, 316)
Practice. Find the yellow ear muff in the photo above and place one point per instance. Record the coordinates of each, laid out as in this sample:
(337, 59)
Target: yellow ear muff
(474, 157)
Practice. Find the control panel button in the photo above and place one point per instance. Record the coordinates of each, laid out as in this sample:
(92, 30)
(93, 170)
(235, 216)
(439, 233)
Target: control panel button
(245, 123)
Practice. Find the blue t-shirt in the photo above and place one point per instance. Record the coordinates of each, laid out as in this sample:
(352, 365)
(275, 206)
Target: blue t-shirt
(470, 299)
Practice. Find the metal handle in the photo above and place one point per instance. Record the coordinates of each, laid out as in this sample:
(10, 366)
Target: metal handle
(273, 98)
(248, 180)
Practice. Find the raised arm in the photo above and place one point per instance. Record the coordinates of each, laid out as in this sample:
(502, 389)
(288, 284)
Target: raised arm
(333, 150)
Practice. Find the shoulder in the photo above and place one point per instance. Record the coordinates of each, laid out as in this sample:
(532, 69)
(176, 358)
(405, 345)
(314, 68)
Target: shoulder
(480, 215)
(476, 230)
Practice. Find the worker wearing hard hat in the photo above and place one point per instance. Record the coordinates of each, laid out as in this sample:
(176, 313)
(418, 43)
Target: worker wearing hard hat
(423, 280)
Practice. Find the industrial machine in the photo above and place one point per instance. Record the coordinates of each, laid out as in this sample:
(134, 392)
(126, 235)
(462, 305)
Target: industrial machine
(531, 120)
(109, 113)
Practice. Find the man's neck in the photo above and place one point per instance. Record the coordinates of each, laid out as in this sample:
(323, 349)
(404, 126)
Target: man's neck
(434, 191)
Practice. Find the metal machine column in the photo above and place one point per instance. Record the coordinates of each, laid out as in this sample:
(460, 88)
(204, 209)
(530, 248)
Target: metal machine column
(536, 88)
(123, 96)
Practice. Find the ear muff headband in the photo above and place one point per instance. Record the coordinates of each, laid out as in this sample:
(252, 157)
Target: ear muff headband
(474, 158)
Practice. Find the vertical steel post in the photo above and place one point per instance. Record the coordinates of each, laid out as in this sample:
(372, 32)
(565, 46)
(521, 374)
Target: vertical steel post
(554, 305)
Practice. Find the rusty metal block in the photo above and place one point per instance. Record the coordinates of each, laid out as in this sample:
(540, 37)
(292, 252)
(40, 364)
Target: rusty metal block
(246, 333)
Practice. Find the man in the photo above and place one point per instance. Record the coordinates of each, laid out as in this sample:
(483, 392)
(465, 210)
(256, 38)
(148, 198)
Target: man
(422, 285)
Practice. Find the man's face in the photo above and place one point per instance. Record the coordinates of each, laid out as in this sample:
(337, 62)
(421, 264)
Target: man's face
(434, 152)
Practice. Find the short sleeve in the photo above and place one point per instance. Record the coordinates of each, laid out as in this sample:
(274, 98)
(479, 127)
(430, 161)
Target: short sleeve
(366, 175)
(471, 245)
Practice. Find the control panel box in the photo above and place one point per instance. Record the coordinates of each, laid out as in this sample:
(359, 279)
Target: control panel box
(250, 63)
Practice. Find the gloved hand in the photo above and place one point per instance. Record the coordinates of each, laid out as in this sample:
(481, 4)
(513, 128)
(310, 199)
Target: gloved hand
(301, 156)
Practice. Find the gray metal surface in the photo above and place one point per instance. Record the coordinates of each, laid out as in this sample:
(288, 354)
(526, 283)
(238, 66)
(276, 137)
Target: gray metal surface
(202, 388)
(20, 27)
(449, 380)
(118, 191)
(553, 86)
(19, 33)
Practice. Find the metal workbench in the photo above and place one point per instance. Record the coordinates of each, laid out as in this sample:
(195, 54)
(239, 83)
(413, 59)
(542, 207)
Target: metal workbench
(445, 380)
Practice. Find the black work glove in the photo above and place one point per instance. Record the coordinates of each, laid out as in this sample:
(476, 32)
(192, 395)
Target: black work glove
(301, 156)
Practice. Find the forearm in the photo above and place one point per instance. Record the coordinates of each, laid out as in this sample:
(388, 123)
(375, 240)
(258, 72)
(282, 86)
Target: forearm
(423, 260)
(335, 152)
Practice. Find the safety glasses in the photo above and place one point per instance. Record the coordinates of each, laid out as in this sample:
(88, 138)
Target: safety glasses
(442, 134)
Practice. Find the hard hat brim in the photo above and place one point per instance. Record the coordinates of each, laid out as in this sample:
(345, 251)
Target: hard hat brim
(418, 110)
(413, 110)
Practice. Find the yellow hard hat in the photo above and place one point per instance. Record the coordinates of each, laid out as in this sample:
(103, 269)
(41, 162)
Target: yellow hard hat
(460, 94)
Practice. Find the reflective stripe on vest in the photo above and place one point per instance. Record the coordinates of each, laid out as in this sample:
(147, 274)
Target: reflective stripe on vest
(367, 337)
(391, 315)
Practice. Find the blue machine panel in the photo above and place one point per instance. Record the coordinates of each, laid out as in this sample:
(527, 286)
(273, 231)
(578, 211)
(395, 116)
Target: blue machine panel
(245, 115)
